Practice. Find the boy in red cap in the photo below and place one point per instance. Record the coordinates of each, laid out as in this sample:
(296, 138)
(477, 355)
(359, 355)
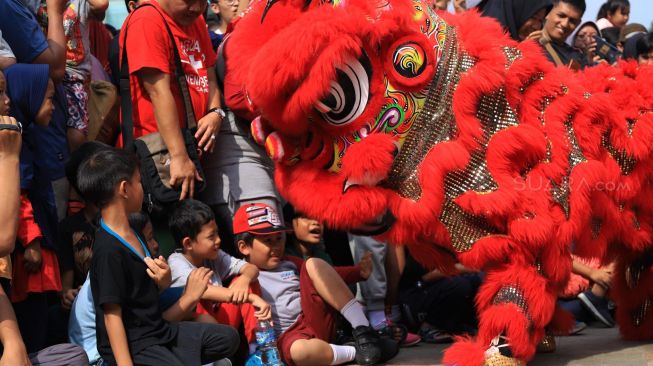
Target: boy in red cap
(306, 295)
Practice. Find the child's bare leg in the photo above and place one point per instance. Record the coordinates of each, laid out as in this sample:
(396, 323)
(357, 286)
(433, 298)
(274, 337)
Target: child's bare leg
(311, 352)
(328, 283)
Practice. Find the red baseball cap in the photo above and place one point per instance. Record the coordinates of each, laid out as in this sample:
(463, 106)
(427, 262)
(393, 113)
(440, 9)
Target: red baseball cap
(258, 219)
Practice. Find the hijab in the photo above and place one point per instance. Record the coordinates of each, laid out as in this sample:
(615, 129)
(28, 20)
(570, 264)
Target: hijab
(630, 47)
(572, 38)
(512, 14)
(26, 86)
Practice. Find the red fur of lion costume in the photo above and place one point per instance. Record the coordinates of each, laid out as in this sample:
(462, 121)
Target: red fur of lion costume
(463, 145)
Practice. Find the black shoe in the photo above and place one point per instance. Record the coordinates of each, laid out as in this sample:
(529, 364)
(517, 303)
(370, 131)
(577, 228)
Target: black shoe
(371, 348)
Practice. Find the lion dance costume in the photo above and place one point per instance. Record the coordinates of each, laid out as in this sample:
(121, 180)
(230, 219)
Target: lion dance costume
(446, 136)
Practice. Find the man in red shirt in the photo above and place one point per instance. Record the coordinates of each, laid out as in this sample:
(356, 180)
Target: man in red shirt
(156, 97)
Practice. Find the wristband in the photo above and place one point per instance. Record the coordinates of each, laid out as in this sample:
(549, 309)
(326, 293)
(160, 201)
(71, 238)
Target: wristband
(219, 111)
(18, 127)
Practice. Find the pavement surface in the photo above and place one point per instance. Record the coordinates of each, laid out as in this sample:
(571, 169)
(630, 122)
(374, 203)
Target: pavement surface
(593, 347)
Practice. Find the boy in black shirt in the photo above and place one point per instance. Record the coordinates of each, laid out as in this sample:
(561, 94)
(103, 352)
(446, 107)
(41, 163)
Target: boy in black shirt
(126, 281)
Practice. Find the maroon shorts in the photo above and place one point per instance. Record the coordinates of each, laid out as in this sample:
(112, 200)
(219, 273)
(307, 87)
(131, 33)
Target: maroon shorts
(317, 319)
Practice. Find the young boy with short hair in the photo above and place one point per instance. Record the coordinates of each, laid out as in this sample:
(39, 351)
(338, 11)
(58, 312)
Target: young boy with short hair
(125, 280)
(306, 296)
(195, 232)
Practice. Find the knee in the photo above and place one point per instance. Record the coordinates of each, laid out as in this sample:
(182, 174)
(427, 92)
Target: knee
(314, 266)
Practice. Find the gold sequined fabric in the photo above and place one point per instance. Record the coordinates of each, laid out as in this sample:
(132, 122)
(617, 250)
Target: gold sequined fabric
(435, 123)
(464, 228)
(626, 162)
(501, 360)
(547, 344)
(511, 294)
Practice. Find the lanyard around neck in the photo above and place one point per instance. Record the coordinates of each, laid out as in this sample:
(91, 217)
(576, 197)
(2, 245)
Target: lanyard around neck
(125, 243)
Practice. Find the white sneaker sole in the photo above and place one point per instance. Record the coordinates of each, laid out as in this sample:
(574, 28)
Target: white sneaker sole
(586, 301)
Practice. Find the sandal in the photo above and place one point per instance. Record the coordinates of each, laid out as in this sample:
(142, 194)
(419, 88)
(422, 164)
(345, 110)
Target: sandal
(400, 334)
(435, 336)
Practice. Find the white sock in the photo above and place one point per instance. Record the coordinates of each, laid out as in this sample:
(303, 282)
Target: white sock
(377, 318)
(353, 312)
(342, 354)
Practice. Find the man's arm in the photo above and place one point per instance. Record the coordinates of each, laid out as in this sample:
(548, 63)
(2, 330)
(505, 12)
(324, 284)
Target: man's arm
(10, 142)
(117, 334)
(182, 170)
(98, 8)
(209, 125)
(14, 348)
(55, 54)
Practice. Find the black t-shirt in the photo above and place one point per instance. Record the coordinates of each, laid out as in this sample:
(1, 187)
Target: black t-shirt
(77, 237)
(118, 276)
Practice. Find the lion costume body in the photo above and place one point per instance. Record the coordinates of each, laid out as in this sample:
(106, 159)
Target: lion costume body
(448, 137)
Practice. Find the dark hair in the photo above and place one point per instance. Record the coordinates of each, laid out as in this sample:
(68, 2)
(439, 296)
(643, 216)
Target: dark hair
(77, 158)
(246, 237)
(578, 4)
(188, 219)
(99, 175)
(603, 11)
(138, 221)
(611, 34)
(644, 44)
(612, 6)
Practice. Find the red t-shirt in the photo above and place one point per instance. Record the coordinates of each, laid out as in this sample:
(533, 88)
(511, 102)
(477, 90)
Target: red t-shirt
(149, 46)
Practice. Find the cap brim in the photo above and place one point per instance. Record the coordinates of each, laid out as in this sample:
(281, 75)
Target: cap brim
(269, 230)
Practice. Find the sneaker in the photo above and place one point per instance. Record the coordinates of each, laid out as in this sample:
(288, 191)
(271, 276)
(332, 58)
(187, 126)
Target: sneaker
(372, 348)
(399, 333)
(598, 306)
(578, 327)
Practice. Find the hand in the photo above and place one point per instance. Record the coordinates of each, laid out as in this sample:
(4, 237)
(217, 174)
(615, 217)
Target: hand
(56, 6)
(207, 129)
(183, 171)
(366, 265)
(535, 35)
(68, 298)
(159, 271)
(33, 257)
(15, 354)
(197, 283)
(263, 309)
(10, 140)
(239, 288)
(460, 6)
(601, 277)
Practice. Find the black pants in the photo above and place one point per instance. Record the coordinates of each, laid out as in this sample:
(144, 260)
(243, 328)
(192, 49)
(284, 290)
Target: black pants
(447, 304)
(196, 344)
(32, 317)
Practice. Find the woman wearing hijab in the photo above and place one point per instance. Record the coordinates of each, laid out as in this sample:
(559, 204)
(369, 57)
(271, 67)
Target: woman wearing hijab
(520, 18)
(583, 39)
(36, 269)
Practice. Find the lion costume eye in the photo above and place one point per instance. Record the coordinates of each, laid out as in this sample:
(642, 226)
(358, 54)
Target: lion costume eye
(349, 93)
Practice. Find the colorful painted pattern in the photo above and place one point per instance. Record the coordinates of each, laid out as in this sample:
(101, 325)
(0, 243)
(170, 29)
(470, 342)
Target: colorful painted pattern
(401, 108)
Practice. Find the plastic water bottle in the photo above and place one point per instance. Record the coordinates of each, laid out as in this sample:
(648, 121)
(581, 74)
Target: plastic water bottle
(267, 344)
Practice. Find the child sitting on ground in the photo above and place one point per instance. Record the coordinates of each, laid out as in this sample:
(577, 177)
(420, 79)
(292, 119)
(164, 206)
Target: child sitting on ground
(305, 296)
(195, 232)
(126, 281)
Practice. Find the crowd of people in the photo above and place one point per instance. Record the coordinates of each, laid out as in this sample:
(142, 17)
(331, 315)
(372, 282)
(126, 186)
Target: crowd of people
(84, 277)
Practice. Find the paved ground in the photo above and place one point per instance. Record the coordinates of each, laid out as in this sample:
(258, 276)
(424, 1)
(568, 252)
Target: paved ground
(594, 347)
